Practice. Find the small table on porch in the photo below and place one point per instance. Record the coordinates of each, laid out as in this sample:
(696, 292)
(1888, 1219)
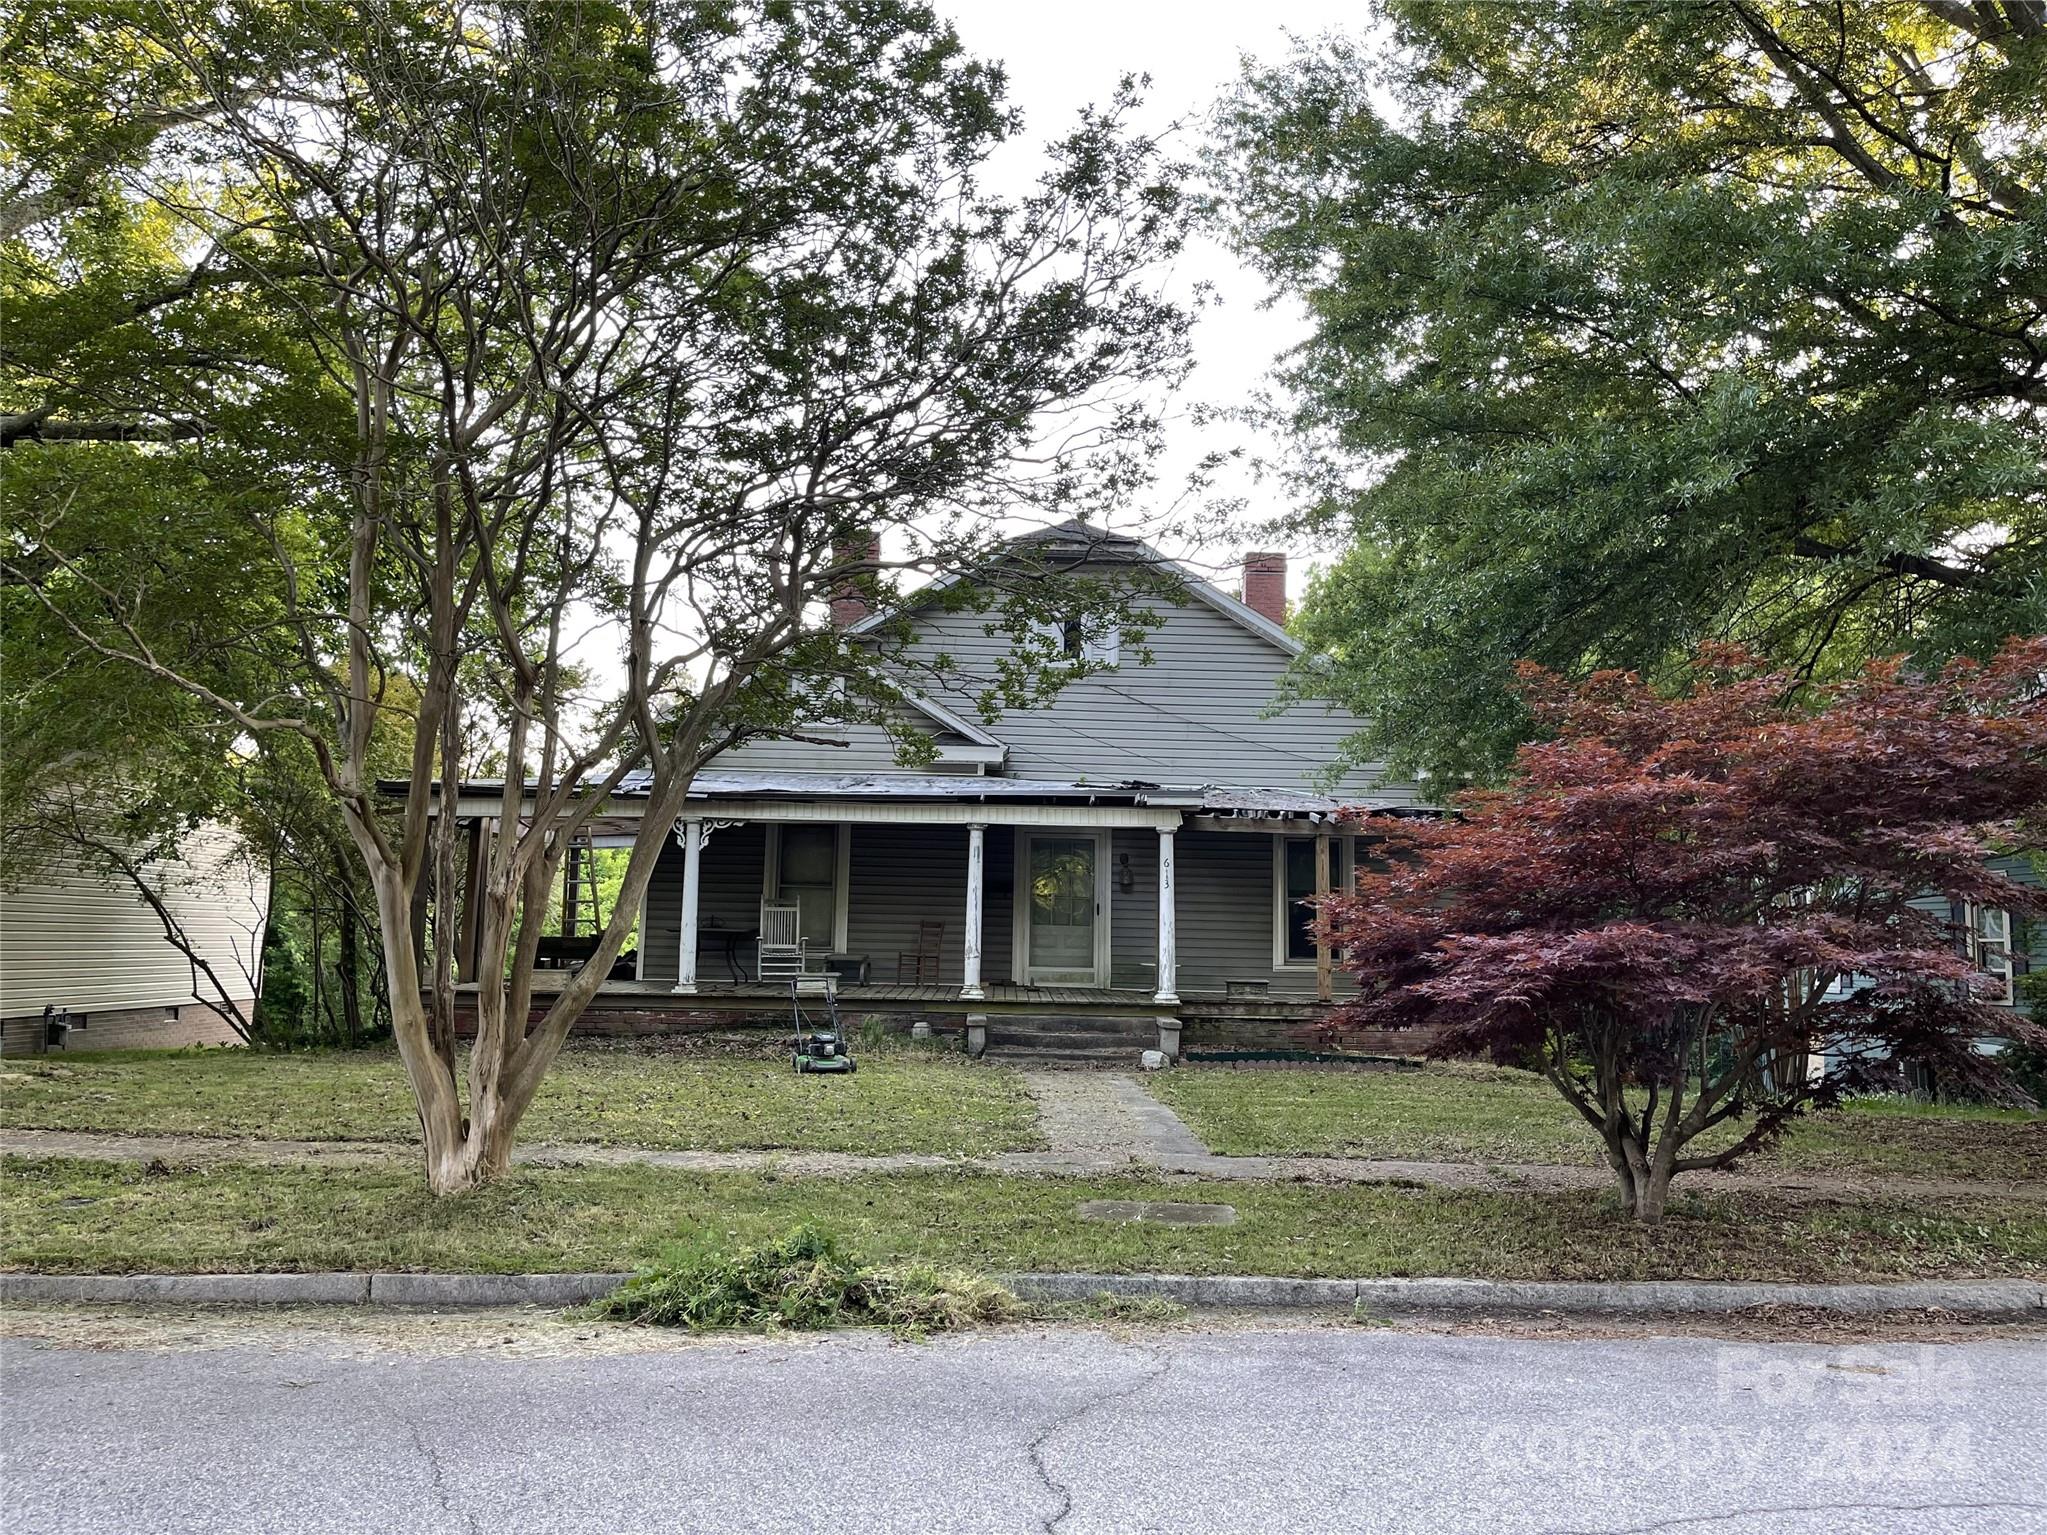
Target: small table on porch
(732, 939)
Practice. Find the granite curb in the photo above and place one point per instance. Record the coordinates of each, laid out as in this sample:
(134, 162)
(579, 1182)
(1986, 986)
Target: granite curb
(1974, 1297)
(1982, 1297)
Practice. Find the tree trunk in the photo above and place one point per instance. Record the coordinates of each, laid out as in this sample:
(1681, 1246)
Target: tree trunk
(470, 1152)
(322, 1019)
(1643, 1177)
(348, 960)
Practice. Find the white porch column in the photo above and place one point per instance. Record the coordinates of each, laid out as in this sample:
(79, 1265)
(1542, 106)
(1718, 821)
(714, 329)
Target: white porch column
(690, 833)
(1324, 977)
(971, 991)
(1168, 955)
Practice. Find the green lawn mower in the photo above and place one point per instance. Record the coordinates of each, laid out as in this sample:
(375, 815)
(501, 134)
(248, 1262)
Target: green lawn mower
(820, 1042)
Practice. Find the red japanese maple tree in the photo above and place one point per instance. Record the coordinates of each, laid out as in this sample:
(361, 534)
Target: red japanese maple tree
(1675, 900)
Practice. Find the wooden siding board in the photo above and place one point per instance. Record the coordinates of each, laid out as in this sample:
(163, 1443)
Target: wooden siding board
(728, 894)
(867, 750)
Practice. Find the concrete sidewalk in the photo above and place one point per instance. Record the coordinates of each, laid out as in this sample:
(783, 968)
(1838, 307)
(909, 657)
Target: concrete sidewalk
(1154, 1153)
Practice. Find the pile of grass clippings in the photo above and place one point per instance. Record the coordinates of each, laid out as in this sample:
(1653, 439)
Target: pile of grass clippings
(804, 1280)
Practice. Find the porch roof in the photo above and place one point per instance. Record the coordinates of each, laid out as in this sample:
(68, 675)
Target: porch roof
(935, 786)
(1233, 805)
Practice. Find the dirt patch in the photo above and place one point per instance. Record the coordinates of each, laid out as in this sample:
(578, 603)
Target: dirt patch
(1757, 1324)
(338, 1332)
(335, 1332)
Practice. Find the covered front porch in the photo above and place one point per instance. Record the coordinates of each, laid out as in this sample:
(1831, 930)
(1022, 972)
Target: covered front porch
(955, 895)
(1066, 902)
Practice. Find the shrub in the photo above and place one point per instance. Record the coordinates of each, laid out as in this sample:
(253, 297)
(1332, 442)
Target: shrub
(805, 1279)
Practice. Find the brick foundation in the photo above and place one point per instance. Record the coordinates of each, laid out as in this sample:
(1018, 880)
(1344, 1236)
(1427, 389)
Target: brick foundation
(133, 1028)
(623, 1023)
(1247, 1034)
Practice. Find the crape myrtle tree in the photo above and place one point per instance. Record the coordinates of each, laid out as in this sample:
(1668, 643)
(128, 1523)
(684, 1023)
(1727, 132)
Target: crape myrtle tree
(1639, 325)
(650, 319)
(1674, 900)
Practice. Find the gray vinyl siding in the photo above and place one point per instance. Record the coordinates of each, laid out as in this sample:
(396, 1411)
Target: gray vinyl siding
(867, 750)
(1198, 714)
(1134, 915)
(1225, 915)
(728, 895)
(901, 875)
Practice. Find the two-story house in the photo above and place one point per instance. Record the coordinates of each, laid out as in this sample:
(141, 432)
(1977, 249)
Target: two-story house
(1144, 848)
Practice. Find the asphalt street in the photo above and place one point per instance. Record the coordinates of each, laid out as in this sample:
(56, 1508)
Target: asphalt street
(1069, 1430)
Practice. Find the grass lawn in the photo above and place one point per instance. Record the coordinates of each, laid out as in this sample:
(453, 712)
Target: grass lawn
(740, 1099)
(59, 1214)
(1482, 1114)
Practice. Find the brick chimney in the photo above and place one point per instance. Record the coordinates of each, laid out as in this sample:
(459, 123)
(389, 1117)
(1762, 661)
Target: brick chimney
(1265, 586)
(849, 603)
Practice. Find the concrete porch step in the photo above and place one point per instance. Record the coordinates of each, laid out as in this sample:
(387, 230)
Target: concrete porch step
(1072, 1041)
(1067, 1039)
(1115, 1060)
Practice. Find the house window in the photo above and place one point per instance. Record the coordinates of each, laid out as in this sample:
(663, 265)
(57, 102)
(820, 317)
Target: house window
(1989, 939)
(1293, 883)
(807, 864)
(1095, 641)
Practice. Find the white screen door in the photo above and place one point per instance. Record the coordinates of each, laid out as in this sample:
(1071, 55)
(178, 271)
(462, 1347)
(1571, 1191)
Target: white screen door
(1063, 910)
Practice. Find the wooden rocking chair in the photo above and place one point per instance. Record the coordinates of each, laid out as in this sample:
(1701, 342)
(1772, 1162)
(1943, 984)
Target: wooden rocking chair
(919, 966)
(781, 951)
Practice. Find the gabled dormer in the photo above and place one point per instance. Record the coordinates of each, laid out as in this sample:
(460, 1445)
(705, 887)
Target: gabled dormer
(1198, 701)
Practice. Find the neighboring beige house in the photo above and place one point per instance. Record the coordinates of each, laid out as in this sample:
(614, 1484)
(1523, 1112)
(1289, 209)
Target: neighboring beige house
(87, 943)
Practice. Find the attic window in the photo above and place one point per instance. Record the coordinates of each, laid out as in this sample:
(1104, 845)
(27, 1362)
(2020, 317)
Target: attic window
(1071, 638)
(1989, 946)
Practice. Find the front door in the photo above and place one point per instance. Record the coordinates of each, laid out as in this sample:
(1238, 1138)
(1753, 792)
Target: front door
(1063, 909)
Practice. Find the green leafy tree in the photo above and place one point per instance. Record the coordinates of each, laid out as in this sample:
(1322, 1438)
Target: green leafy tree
(649, 319)
(1639, 325)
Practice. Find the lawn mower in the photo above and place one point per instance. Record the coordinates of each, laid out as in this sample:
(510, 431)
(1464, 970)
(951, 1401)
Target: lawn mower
(820, 1043)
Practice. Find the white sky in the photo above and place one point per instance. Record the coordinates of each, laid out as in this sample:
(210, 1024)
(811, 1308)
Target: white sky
(1064, 54)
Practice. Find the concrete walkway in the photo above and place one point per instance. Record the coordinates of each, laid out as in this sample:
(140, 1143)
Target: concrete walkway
(1107, 1119)
(1142, 1145)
